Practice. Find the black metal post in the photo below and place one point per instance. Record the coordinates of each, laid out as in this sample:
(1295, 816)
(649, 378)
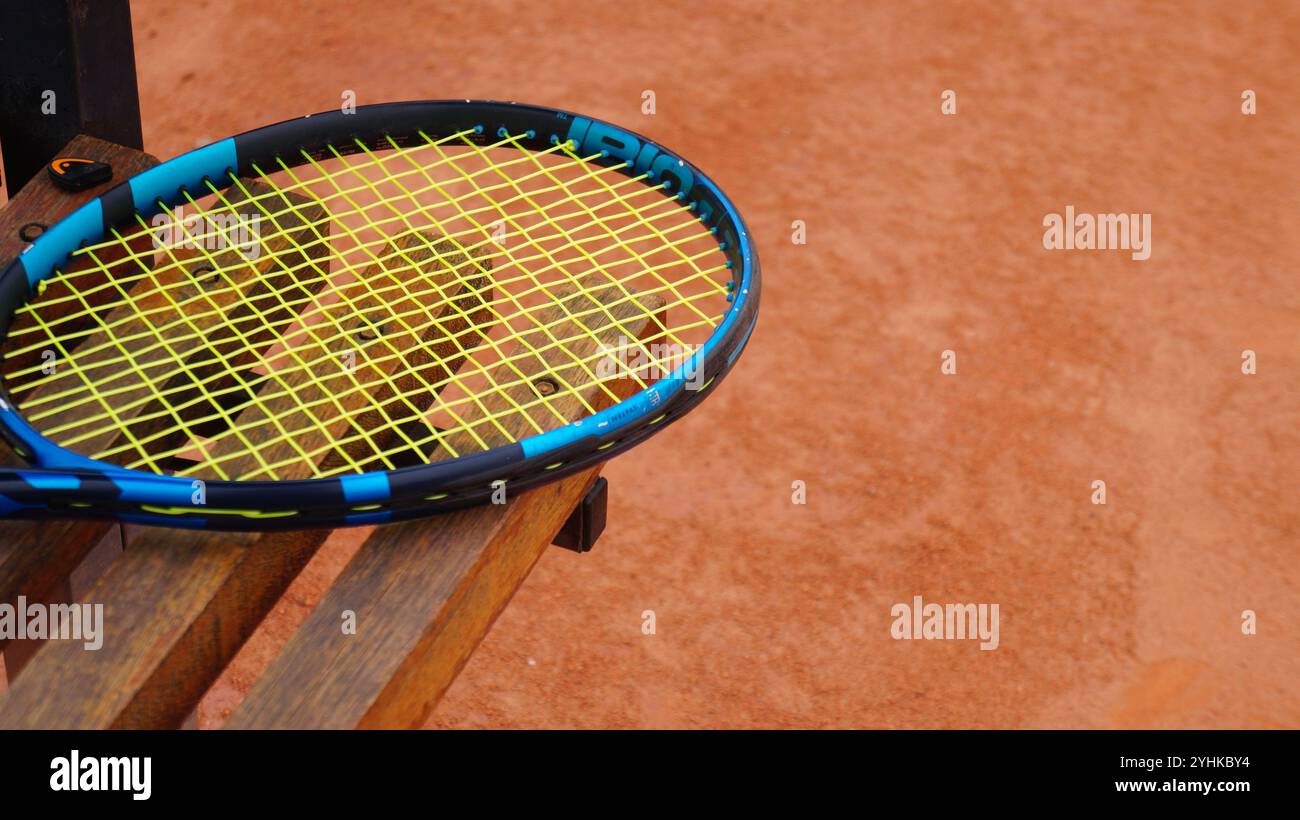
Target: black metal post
(67, 67)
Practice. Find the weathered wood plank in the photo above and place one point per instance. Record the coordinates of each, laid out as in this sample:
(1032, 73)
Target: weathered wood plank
(426, 592)
(354, 341)
(428, 367)
(185, 320)
(42, 202)
(178, 605)
(36, 559)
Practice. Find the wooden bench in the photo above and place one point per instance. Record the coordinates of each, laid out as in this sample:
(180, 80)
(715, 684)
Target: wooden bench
(178, 604)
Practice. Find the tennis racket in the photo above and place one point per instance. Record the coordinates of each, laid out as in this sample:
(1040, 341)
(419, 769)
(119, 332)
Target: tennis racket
(366, 316)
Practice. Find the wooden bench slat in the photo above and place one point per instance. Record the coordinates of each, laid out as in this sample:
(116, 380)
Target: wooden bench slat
(426, 592)
(36, 559)
(147, 331)
(428, 366)
(41, 201)
(178, 605)
(293, 267)
(318, 377)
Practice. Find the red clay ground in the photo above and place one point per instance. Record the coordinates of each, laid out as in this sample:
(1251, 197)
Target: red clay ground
(924, 234)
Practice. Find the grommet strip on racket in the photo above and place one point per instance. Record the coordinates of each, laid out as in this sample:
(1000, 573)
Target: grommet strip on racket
(355, 318)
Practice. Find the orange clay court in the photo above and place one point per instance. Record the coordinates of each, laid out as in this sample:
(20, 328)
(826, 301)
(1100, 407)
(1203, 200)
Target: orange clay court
(924, 234)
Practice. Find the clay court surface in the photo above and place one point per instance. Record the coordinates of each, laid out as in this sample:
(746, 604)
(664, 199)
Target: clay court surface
(924, 234)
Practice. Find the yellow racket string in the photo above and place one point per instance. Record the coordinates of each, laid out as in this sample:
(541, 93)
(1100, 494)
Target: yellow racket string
(272, 358)
(182, 285)
(36, 370)
(503, 258)
(148, 273)
(527, 348)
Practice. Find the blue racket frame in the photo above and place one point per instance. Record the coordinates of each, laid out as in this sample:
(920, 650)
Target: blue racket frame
(61, 483)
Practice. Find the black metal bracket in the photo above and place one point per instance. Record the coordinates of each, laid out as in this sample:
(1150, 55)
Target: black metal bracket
(587, 521)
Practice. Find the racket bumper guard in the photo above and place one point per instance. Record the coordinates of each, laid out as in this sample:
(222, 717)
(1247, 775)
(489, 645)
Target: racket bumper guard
(587, 521)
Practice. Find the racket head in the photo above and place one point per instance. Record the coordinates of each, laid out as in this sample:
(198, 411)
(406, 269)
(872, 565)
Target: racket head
(74, 480)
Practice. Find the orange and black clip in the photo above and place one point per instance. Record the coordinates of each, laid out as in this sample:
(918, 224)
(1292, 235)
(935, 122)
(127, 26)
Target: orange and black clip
(77, 173)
